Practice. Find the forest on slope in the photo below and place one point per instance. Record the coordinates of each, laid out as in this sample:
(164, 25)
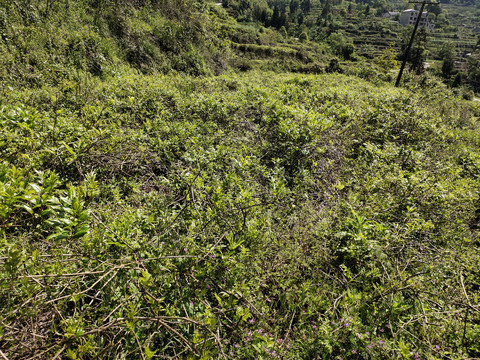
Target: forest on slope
(176, 184)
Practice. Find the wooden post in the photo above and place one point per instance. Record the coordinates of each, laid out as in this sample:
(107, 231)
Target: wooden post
(407, 52)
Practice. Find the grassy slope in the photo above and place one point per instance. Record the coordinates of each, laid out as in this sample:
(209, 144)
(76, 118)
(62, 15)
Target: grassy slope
(251, 216)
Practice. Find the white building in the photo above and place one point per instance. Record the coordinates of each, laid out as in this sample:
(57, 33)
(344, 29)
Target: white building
(409, 17)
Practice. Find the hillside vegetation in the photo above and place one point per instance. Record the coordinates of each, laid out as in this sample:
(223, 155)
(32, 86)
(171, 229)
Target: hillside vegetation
(50, 41)
(239, 216)
(152, 210)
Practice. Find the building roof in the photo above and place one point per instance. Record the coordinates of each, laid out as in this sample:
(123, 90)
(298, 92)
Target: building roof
(413, 11)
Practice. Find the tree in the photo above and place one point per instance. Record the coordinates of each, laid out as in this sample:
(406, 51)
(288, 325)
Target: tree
(448, 53)
(347, 51)
(381, 6)
(434, 9)
(300, 18)
(418, 53)
(340, 45)
(473, 71)
(275, 17)
(387, 60)
(458, 81)
(336, 42)
(283, 19)
(326, 9)
(293, 6)
(306, 6)
(244, 5)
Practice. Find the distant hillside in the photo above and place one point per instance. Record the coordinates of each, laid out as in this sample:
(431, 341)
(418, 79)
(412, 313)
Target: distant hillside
(46, 41)
(53, 41)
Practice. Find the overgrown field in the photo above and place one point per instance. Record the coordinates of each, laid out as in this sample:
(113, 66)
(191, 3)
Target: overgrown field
(252, 216)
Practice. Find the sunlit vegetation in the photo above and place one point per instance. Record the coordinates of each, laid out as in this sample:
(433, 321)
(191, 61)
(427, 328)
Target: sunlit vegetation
(178, 184)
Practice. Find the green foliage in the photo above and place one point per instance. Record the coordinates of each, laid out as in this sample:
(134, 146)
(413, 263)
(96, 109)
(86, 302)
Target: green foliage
(448, 54)
(418, 51)
(388, 59)
(341, 46)
(473, 73)
(245, 216)
(51, 42)
(54, 40)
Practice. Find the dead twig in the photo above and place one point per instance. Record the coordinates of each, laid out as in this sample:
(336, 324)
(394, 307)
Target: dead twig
(59, 352)
(84, 291)
(60, 275)
(465, 293)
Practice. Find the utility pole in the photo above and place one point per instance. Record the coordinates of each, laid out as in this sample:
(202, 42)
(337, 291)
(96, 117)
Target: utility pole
(407, 52)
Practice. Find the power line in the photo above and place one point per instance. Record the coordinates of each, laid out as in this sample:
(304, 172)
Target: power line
(404, 63)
